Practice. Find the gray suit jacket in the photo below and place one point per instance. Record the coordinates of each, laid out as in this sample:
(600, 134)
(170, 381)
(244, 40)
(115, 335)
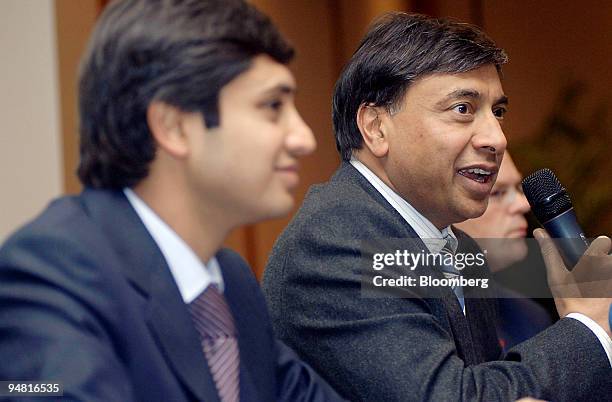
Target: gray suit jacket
(407, 349)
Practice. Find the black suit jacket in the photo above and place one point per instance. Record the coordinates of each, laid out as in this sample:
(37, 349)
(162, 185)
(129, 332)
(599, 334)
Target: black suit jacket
(87, 299)
(407, 349)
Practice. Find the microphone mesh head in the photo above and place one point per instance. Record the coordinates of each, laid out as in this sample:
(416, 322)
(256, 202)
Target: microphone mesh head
(541, 185)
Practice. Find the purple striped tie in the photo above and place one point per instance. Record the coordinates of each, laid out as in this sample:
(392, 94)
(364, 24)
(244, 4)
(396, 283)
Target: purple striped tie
(215, 325)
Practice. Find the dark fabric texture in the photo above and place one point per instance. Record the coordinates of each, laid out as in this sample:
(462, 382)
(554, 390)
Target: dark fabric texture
(407, 349)
(520, 318)
(87, 299)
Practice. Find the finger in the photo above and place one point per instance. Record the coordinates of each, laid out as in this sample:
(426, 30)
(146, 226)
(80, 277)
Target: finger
(599, 247)
(551, 255)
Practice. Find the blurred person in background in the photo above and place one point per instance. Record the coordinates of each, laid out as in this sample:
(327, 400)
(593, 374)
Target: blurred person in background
(501, 230)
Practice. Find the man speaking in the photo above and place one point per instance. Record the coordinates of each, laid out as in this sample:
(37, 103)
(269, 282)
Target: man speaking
(418, 114)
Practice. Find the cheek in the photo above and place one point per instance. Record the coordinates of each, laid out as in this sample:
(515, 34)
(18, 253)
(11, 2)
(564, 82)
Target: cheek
(256, 143)
(258, 162)
(489, 224)
(500, 222)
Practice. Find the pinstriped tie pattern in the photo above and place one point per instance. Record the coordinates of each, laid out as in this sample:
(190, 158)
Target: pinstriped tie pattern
(449, 271)
(215, 325)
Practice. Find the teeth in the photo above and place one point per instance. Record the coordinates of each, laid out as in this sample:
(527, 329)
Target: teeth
(478, 171)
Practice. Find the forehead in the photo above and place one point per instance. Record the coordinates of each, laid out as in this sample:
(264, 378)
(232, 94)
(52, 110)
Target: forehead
(483, 81)
(263, 76)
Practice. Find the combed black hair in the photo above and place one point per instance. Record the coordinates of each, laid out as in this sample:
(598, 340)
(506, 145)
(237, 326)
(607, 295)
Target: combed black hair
(182, 52)
(398, 49)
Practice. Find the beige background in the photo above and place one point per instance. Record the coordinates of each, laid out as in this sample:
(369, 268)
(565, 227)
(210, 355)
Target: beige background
(30, 157)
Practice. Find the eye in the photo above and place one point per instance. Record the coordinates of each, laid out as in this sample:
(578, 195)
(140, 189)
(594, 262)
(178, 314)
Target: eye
(275, 105)
(499, 193)
(272, 109)
(500, 112)
(462, 108)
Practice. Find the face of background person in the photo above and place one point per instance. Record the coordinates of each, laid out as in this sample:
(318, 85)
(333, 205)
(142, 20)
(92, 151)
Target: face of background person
(446, 124)
(247, 167)
(503, 219)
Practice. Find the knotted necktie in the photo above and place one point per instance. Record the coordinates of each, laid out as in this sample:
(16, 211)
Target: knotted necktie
(449, 270)
(215, 325)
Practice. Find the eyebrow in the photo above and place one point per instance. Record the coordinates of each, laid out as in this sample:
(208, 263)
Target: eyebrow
(470, 93)
(502, 100)
(283, 89)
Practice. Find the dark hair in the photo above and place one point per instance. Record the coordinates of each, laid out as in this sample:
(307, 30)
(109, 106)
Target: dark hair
(181, 52)
(398, 49)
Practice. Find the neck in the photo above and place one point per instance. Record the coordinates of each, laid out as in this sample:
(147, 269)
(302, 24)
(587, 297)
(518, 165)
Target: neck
(377, 166)
(203, 230)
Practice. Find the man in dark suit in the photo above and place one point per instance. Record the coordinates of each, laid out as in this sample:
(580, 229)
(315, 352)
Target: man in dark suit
(188, 130)
(417, 117)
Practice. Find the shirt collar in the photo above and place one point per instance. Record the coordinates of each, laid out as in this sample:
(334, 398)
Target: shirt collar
(433, 238)
(191, 275)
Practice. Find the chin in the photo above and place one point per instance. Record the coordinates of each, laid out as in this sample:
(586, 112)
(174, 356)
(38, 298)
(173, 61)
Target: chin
(474, 209)
(278, 209)
(518, 247)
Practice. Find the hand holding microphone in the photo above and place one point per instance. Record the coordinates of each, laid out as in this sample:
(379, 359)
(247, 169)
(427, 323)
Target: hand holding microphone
(574, 296)
(579, 274)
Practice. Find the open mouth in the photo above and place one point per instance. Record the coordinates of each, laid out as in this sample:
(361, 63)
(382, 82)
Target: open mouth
(477, 174)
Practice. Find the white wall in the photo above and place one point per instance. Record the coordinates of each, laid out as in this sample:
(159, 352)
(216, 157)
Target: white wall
(30, 150)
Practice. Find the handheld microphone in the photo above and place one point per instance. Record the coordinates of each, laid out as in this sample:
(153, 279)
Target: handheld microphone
(552, 206)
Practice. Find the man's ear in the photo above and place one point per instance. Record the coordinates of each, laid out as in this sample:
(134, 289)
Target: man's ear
(371, 126)
(165, 125)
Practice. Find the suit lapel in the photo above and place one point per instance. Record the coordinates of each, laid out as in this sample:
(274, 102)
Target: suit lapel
(458, 322)
(402, 230)
(174, 331)
(481, 317)
(348, 173)
(147, 270)
(459, 325)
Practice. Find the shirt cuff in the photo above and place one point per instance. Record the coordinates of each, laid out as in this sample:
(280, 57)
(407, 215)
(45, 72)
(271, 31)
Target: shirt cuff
(599, 332)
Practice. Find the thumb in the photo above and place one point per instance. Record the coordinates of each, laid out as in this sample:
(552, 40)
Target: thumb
(599, 247)
(551, 255)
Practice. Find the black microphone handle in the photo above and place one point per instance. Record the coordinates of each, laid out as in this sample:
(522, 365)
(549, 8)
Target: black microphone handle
(568, 236)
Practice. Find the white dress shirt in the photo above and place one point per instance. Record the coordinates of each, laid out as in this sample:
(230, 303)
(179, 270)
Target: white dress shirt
(191, 275)
(429, 233)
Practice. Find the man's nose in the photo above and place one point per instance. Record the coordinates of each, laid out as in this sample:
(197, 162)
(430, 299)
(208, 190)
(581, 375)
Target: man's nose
(490, 137)
(300, 140)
